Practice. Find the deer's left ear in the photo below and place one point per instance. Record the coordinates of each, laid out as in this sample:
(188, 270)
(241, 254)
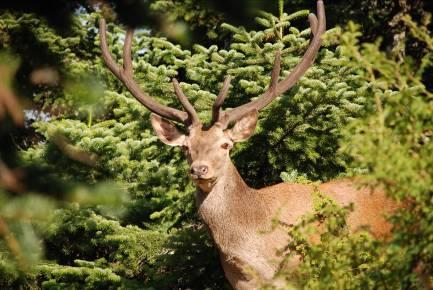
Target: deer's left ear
(244, 127)
(166, 131)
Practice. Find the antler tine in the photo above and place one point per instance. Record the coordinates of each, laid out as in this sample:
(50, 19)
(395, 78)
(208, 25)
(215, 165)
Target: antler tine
(192, 114)
(125, 76)
(318, 27)
(127, 59)
(313, 23)
(310, 54)
(275, 73)
(216, 108)
(106, 55)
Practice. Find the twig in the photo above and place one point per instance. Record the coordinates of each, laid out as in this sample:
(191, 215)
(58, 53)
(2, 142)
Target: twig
(423, 276)
(9, 103)
(12, 244)
(73, 152)
(10, 178)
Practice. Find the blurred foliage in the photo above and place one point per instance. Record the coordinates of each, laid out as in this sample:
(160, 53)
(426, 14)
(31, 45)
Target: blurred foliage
(363, 108)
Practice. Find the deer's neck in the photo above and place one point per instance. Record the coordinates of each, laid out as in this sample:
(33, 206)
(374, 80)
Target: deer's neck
(231, 205)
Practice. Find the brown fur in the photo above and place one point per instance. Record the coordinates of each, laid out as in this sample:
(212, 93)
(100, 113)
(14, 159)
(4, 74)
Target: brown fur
(239, 220)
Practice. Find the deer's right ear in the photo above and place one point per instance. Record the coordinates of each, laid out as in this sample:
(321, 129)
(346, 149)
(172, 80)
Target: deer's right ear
(166, 131)
(244, 127)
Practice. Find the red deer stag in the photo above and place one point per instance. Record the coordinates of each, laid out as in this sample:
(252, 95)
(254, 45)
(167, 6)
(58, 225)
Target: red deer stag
(236, 214)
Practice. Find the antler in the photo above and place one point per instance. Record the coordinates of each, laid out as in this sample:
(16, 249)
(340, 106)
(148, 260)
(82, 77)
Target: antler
(190, 117)
(216, 108)
(318, 27)
(124, 74)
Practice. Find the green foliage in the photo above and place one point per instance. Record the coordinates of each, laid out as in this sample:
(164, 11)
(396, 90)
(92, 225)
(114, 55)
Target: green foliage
(29, 189)
(392, 148)
(82, 234)
(400, 135)
(189, 250)
(150, 258)
(81, 277)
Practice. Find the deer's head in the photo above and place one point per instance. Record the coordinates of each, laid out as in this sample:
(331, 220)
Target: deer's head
(207, 147)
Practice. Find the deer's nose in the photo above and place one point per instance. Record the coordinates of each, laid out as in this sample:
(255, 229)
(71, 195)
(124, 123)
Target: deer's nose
(199, 170)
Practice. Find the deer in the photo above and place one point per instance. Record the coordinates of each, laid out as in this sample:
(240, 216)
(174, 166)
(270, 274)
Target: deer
(236, 215)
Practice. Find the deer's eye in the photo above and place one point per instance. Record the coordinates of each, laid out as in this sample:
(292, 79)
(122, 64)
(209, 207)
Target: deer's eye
(225, 146)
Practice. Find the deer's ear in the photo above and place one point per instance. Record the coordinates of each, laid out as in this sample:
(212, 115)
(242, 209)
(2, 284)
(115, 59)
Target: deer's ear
(166, 131)
(244, 127)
